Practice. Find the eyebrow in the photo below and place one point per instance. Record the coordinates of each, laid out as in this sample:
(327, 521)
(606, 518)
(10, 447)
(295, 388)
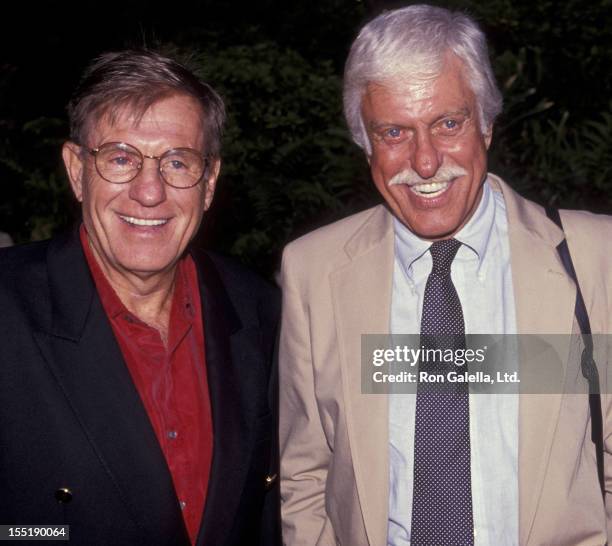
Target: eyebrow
(374, 125)
(462, 111)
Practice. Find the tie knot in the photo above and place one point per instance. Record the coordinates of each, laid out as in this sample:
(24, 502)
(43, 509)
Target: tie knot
(443, 253)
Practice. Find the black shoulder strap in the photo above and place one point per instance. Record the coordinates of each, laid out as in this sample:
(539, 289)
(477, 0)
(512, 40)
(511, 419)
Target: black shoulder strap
(589, 368)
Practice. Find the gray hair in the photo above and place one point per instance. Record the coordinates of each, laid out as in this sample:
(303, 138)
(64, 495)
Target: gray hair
(137, 79)
(410, 43)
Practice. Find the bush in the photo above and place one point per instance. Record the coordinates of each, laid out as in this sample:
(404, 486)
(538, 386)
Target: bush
(289, 164)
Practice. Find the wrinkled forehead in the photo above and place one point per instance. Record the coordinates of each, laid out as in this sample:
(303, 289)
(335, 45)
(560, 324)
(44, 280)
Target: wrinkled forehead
(447, 77)
(133, 111)
(413, 89)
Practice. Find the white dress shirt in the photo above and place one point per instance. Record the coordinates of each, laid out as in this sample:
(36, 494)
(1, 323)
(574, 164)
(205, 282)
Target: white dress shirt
(481, 273)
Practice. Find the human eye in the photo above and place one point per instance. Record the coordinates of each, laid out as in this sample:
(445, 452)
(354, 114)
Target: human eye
(181, 160)
(176, 162)
(392, 135)
(176, 165)
(118, 159)
(449, 126)
(121, 159)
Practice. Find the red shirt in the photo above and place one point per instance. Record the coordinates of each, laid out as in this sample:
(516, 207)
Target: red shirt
(171, 381)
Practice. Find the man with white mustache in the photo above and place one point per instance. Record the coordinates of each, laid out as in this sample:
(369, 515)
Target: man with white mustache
(434, 185)
(453, 251)
(136, 382)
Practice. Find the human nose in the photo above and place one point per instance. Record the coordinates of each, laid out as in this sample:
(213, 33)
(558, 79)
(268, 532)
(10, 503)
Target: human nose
(426, 159)
(148, 187)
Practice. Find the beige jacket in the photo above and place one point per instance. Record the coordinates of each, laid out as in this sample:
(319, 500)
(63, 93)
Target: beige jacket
(334, 439)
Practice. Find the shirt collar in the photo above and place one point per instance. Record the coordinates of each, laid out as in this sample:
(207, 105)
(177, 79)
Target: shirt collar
(475, 235)
(182, 311)
(110, 300)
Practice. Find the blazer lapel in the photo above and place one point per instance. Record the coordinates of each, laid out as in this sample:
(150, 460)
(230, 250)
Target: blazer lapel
(362, 297)
(362, 289)
(223, 338)
(545, 299)
(85, 360)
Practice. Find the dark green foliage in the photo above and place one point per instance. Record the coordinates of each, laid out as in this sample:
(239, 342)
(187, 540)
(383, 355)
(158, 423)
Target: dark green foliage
(553, 141)
(36, 200)
(288, 162)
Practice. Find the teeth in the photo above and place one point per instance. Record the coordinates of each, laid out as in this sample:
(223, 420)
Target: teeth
(142, 221)
(430, 190)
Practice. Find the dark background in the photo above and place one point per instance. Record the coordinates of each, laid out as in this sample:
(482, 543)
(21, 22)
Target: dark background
(289, 164)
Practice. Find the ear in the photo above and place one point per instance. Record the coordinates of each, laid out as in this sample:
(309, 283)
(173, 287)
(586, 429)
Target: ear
(488, 135)
(73, 161)
(211, 182)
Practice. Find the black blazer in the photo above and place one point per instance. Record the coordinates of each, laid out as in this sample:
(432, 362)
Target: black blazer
(71, 417)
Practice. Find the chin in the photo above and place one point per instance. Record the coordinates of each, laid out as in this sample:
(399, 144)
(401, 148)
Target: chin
(433, 230)
(435, 235)
(146, 266)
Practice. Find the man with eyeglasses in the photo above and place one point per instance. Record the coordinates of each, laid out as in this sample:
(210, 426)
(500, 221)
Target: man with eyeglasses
(136, 372)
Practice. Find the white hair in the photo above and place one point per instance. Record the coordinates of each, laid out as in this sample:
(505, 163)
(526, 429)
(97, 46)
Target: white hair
(410, 44)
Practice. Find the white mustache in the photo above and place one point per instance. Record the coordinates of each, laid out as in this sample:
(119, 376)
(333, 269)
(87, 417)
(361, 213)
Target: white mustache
(445, 173)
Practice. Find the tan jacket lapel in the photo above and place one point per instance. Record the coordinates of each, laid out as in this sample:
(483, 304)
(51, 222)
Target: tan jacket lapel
(545, 299)
(362, 291)
(362, 299)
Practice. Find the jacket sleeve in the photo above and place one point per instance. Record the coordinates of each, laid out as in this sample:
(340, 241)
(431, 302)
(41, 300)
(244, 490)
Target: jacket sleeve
(588, 238)
(304, 451)
(606, 398)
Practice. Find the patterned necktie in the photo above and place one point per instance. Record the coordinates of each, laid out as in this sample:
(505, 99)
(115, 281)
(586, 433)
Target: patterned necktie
(442, 493)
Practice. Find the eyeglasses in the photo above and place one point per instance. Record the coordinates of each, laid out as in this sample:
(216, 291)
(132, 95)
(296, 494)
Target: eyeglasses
(119, 163)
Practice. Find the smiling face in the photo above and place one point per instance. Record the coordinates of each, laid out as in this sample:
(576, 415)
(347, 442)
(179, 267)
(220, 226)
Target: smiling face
(142, 227)
(428, 153)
